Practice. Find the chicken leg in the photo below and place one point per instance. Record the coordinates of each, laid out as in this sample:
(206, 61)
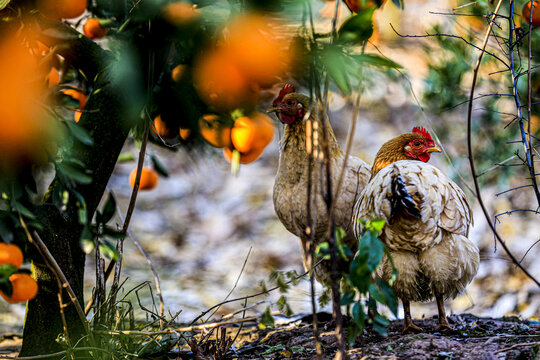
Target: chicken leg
(408, 326)
(443, 326)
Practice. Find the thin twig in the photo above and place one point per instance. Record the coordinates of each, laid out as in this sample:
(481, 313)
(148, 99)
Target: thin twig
(515, 345)
(182, 329)
(470, 152)
(235, 283)
(252, 295)
(131, 206)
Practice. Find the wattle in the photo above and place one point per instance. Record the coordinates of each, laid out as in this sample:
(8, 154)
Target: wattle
(424, 157)
(286, 119)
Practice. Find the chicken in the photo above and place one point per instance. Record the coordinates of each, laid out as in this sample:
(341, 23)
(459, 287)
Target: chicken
(291, 184)
(427, 223)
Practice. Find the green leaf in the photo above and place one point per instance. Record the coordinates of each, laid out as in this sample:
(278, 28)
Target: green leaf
(113, 233)
(82, 215)
(377, 294)
(158, 166)
(125, 156)
(382, 320)
(380, 329)
(267, 320)
(352, 332)
(79, 133)
(357, 28)
(391, 300)
(6, 233)
(375, 225)
(4, 3)
(322, 251)
(108, 249)
(109, 209)
(6, 270)
(74, 173)
(359, 274)
(358, 315)
(87, 240)
(348, 298)
(24, 211)
(335, 60)
(376, 60)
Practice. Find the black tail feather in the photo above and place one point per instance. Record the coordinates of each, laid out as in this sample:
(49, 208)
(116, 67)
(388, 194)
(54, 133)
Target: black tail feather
(401, 199)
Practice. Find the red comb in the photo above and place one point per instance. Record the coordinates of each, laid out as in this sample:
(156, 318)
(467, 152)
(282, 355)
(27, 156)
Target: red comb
(287, 89)
(420, 130)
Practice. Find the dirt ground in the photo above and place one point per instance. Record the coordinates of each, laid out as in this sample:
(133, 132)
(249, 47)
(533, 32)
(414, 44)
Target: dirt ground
(472, 338)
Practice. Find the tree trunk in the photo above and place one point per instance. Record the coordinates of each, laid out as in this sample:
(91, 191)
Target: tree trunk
(106, 122)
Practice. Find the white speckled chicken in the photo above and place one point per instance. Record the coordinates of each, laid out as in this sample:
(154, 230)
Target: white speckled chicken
(427, 223)
(291, 185)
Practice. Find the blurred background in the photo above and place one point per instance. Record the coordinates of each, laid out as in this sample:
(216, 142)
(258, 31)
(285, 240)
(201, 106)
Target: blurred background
(202, 223)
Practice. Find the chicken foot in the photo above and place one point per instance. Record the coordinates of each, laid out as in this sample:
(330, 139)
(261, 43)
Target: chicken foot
(408, 326)
(443, 326)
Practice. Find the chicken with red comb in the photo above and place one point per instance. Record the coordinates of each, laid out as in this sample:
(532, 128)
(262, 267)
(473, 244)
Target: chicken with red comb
(427, 225)
(292, 179)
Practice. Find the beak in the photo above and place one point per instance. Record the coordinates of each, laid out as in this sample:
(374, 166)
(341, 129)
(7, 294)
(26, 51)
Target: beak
(434, 148)
(272, 109)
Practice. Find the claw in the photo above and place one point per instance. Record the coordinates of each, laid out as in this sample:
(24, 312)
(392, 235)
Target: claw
(444, 328)
(411, 329)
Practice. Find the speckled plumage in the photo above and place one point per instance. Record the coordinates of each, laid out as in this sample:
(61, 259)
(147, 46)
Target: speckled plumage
(291, 187)
(432, 254)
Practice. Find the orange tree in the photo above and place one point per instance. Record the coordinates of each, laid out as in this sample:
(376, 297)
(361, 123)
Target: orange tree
(228, 52)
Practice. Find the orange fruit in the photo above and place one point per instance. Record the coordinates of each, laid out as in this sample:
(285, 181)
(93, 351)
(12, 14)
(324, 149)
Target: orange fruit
(61, 9)
(180, 13)
(250, 132)
(53, 77)
(245, 157)
(526, 12)
(22, 120)
(10, 254)
(214, 131)
(78, 95)
(24, 288)
(185, 133)
(220, 82)
(149, 178)
(93, 29)
(261, 53)
(178, 72)
(162, 128)
(77, 115)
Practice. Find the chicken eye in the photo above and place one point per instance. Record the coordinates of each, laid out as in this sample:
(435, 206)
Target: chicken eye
(417, 143)
(290, 102)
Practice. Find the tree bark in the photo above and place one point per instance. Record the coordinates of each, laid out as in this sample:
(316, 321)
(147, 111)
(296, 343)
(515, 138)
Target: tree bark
(106, 122)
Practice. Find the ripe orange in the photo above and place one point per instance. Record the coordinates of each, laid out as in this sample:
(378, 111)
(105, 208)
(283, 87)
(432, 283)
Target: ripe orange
(93, 29)
(215, 131)
(220, 82)
(250, 132)
(61, 9)
(185, 133)
(149, 178)
(180, 13)
(24, 288)
(53, 77)
(245, 157)
(178, 72)
(261, 52)
(22, 120)
(77, 115)
(10, 254)
(526, 12)
(162, 128)
(77, 94)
